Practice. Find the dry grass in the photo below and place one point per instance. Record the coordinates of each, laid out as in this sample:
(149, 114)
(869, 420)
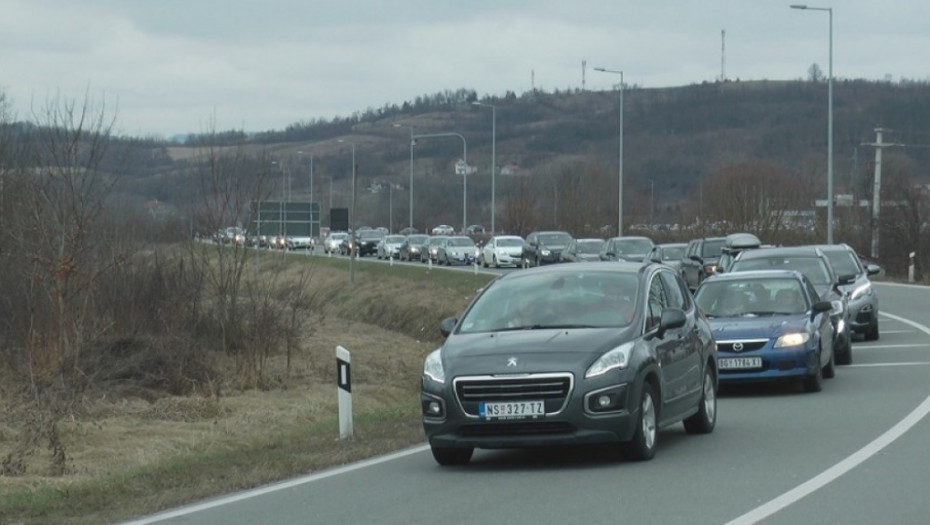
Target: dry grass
(131, 456)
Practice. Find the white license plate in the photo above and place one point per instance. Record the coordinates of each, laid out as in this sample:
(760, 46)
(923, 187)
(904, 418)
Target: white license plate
(739, 363)
(511, 410)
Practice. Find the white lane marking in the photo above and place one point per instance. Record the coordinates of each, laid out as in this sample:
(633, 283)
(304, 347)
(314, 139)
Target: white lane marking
(918, 326)
(850, 462)
(886, 332)
(834, 472)
(873, 347)
(915, 363)
(276, 487)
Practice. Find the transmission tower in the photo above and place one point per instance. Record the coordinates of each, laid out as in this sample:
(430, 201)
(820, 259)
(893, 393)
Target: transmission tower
(723, 55)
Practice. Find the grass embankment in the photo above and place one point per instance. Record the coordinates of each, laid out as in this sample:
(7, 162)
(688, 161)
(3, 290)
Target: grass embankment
(130, 457)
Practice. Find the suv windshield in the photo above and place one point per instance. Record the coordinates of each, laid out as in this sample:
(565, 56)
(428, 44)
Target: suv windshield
(713, 248)
(844, 262)
(554, 300)
(555, 238)
(509, 242)
(814, 268)
(633, 246)
(673, 253)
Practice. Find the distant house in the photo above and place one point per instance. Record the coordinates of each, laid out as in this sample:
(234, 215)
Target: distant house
(464, 169)
(511, 169)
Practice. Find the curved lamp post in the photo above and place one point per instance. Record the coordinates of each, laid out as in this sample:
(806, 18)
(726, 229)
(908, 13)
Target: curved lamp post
(829, 11)
(352, 219)
(620, 169)
(493, 159)
(464, 175)
(412, 144)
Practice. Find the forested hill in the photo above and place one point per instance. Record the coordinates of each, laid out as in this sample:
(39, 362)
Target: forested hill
(550, 147)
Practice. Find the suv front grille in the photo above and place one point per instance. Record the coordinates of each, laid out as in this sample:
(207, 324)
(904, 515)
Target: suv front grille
(553, 389)
(498, 429)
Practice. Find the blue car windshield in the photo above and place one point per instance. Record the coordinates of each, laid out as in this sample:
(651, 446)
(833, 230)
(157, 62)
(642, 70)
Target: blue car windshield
(751, 297)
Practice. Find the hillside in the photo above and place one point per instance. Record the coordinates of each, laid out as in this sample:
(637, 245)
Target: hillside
(557, 153)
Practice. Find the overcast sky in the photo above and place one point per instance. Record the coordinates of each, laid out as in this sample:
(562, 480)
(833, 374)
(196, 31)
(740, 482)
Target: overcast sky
(165, 67)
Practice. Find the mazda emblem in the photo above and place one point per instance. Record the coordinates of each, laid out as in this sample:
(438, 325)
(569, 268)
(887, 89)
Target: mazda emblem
(737, 347)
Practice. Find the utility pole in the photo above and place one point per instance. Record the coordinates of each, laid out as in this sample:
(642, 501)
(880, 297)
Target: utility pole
(877, 188)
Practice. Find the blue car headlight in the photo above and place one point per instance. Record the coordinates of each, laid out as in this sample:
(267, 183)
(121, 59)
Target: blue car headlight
(792, 339)
(545, 252)
(616, 359)
(432, 367)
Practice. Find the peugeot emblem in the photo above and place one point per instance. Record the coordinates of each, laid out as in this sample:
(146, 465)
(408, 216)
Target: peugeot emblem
(737, 346)
(511, 361)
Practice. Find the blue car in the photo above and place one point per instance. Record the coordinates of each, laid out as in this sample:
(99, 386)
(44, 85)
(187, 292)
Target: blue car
(770, 325)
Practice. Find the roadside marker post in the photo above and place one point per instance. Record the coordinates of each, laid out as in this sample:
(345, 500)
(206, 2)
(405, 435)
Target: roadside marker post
(344, 390)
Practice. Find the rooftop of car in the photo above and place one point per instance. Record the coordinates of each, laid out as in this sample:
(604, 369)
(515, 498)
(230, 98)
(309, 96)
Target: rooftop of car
(780, 251)
(584, 267)
(754, 274)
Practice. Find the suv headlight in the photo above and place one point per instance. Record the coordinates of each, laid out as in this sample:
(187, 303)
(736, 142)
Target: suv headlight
(616, 359)
(432, 367)
(545, 252)
(865, 289)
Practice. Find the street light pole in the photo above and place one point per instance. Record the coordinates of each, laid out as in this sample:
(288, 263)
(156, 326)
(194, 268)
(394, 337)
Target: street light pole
(353, 242)
(464, 174)
(829, 11)
(412, 144)
(620, 163)
(311, 190)
(493, 160)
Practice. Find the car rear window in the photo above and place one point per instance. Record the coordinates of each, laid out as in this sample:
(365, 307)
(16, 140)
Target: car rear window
(713, 248)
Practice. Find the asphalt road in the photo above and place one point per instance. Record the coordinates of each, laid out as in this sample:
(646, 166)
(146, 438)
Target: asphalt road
(855, 453)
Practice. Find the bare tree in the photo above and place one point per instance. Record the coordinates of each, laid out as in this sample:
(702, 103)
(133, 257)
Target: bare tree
(814, 73)
(58, 231)
(758, 197)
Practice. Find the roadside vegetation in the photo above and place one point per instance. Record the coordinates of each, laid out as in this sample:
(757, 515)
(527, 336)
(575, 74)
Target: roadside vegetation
(156, 428)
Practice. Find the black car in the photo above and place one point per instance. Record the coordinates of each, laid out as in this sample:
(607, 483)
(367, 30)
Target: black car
(626, 248)
(410, 249)
(544, 247)
(367, 241)
(582, 250)
(814, 264)
(571, 354)
(700, 260)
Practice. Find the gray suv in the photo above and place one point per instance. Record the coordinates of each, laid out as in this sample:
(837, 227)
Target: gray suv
(863, 300)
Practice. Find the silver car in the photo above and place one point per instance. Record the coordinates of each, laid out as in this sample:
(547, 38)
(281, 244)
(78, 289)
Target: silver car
(333, 242)
(502, 250)
(389, 247)
(863, 300)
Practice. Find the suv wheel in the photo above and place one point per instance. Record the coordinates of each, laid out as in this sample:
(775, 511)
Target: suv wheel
(706, 418)
(871, 334)
(643, 445)
(452, 456)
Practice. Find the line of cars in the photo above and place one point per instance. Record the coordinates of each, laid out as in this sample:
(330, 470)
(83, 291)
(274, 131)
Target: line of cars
(610, 353)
